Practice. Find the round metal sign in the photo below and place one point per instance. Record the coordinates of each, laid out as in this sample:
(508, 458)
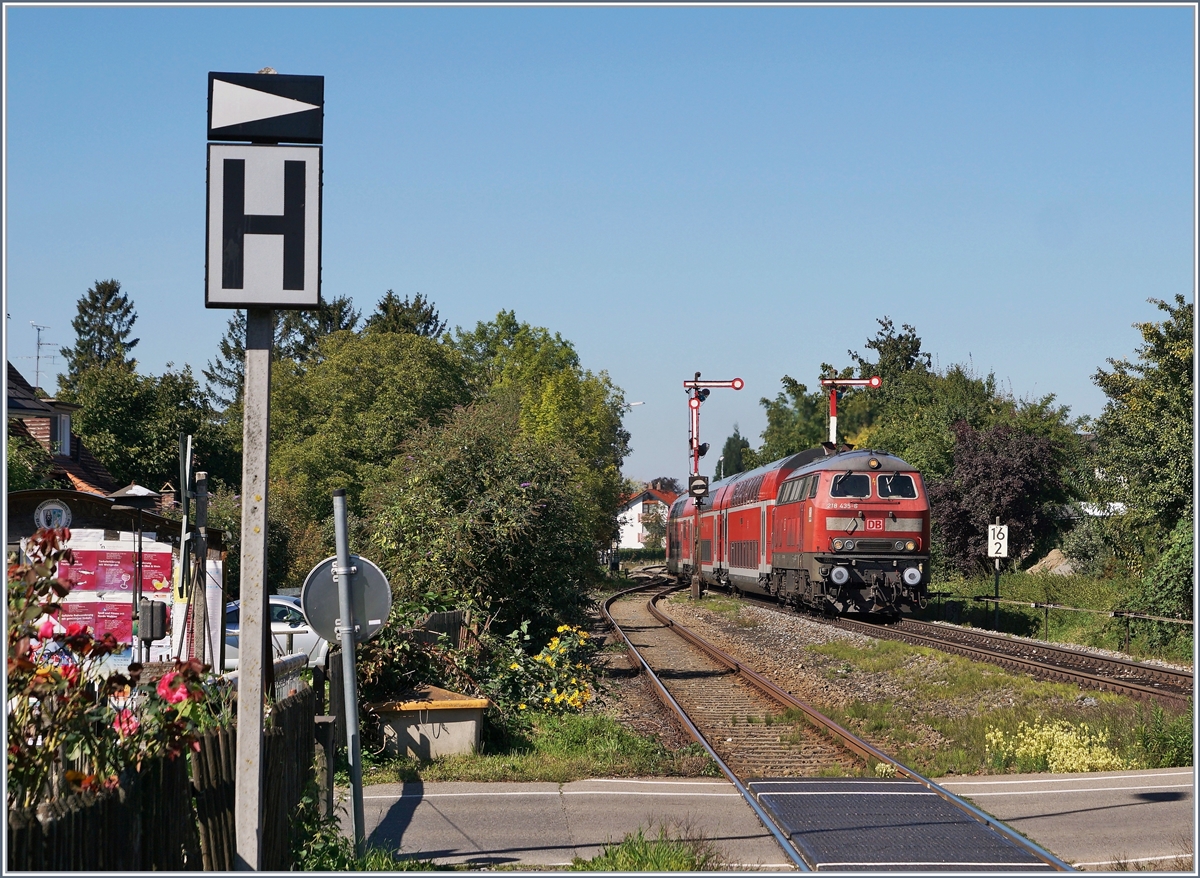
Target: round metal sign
(52, 513)
(370, 597)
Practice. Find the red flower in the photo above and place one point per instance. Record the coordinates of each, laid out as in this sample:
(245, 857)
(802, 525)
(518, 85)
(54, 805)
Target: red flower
(46, 630)
(126, 723)
(172, 694)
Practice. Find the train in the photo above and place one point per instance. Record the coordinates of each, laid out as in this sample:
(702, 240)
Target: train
(838, 530)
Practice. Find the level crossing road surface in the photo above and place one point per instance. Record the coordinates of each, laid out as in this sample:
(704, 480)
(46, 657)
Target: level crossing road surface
(1095, 821)
(547, 824)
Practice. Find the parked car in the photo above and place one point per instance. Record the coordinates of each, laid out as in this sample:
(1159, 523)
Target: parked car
(290, 632)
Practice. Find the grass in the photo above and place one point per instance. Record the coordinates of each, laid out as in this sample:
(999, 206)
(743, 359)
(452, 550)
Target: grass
(668, 851)
(939, 722)
(1065, 626)
(555, 749)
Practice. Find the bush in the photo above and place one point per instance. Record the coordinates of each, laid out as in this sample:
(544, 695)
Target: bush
(486, 517)
(1165, 743)
(557, 679)
(1085, 548)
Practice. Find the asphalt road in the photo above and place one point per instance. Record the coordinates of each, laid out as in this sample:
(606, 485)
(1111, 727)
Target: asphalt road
(1095, 821)
(1142, 819)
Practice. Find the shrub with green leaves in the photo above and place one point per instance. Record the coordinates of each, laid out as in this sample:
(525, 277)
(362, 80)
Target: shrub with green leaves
(559, 678)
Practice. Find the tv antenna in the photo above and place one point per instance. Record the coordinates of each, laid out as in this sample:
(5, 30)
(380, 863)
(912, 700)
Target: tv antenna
(37, 365)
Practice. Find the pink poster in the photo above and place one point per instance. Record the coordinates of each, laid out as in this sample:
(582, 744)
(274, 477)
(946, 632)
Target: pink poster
(83, 613)
(102, 570)
(114, 617)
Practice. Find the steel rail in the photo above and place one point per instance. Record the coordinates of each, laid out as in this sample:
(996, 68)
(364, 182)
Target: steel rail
(850, 740)
(1172, 676)
(982, 653)
(784, 842)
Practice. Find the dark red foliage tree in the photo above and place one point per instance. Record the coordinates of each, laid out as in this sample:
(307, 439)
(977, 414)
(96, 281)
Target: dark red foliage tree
(1001, 471)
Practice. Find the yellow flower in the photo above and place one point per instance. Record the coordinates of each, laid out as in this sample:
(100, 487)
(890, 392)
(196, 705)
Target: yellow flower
(520, 707)
(513, 666)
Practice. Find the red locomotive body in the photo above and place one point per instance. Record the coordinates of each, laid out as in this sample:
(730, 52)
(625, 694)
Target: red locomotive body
(843, 533)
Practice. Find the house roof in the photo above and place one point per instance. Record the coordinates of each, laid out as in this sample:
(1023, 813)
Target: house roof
(648, 494)
(23, 401)
(80, 468)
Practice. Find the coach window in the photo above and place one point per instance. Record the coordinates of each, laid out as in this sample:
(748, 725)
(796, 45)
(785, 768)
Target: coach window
(896, 485)
(850, 485)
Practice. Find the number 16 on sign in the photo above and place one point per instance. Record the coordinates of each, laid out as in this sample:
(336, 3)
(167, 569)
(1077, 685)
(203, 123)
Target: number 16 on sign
(997, 540)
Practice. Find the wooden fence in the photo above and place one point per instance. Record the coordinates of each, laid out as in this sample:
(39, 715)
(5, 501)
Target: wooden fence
(146, 823)
(160, 819)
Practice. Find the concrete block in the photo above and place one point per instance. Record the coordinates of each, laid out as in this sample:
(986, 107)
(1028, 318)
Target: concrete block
(431, 722)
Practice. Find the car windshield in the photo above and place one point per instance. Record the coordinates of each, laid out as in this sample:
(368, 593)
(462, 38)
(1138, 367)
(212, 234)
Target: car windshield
(896, 485)
(850, 484)
(231, 616)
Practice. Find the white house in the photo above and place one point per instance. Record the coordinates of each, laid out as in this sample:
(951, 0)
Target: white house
(632, 515)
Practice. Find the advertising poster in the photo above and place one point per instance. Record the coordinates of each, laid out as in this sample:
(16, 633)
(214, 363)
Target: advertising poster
(114, 570)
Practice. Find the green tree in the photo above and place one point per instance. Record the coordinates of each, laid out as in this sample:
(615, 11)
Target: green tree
(296, 337)
(28, 463)
(339, 423)
(417, 316)
(730, 462)
(131, 423)
(655, 525)
(483, 514)
(103, 323)
(561, 403)
(1144, 435)
(796, 420)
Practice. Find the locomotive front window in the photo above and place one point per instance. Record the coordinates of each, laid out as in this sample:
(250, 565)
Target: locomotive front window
(896, 486)
(850, 485)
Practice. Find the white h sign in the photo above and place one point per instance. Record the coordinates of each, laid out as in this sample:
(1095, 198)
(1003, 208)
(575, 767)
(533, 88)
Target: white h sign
(264, 227)
(997, 540)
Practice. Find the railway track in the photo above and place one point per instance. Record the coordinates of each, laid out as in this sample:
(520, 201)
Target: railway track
(1046, 661)
(761, 737)
(1042, 660)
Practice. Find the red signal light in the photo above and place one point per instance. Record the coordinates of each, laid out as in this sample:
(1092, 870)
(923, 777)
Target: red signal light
(876, 381)
(737, 383)
(694, 402)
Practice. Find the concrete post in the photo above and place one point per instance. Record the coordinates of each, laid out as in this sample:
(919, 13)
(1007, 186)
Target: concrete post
(253, 616)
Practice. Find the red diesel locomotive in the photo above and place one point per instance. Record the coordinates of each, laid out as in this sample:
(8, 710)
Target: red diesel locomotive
(844, 532)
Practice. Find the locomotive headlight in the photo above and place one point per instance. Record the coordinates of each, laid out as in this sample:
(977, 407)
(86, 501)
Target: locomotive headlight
(899, 545)
(840, 575)
(911, 546)
(849, 545)
(837, 545)
(912, 576)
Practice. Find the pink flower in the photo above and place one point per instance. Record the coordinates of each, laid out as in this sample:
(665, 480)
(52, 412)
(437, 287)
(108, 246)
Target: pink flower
(126, 723)
(46, 631)
(172, 694)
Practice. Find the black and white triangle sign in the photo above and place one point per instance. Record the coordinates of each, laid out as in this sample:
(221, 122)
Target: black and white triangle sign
(266, 107)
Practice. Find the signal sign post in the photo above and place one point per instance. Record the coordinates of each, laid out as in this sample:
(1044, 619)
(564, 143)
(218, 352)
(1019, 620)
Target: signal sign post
(833, 384)
(263, 251)
(698, 391)
(997, 548)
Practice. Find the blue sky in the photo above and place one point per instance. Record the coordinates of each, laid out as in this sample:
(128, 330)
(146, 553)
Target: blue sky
(740, 191)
